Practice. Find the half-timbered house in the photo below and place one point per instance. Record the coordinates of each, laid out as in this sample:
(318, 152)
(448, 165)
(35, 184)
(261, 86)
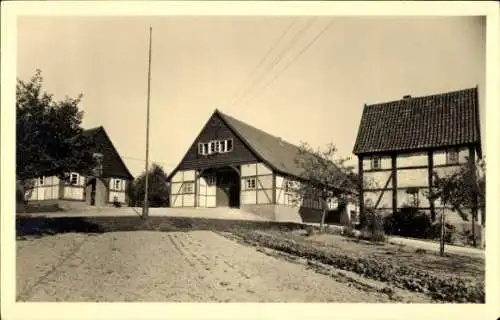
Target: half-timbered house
(233, 164)
(104, 187)
(400, 143)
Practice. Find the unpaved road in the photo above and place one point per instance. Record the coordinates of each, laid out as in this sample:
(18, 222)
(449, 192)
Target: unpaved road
(197, 266)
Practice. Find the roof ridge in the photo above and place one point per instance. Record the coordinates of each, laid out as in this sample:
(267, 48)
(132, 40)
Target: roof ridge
(432, 95)
(257, 129)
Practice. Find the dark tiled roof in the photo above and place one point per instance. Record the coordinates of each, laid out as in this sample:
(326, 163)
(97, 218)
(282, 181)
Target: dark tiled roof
(277, 153)
(113, 165)
(418, 123)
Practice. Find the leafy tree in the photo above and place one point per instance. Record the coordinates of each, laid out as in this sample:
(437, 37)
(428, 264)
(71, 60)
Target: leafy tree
(158, 188)
(327, 175)
(49, 138)
(464, 190)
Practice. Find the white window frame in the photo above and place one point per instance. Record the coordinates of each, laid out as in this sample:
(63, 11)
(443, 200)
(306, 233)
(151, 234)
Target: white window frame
(186, 186)
(74, 174)
(449, 158)
(251, 183)
(200, 148)
(376, 162)
(41, 181)
(117, 184)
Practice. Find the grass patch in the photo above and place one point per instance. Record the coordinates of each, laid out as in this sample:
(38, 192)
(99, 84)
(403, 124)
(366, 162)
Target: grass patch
(369, 262)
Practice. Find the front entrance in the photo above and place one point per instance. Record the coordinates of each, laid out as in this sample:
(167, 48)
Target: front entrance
(227, 188)
(91, 190)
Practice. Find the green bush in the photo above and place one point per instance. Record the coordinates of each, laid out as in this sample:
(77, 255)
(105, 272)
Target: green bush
(408, 222)
(373, 228)
(451, 289)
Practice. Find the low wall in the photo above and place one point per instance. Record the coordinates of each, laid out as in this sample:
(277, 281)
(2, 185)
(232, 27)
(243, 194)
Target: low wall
(284, 213)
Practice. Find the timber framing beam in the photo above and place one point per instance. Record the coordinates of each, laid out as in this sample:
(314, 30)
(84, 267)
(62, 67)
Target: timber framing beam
(394, 173)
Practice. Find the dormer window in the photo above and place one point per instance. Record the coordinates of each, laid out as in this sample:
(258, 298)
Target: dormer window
(451, 157)
(376, 163)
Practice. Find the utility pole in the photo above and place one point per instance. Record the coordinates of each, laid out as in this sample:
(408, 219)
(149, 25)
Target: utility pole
(145, 208)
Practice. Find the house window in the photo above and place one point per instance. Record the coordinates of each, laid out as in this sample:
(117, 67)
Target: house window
(211, 180)
(229, 145)
(98, 168)
(376, 163)
(289, 186)
(118, 184)
(41, 180)
(187, 188)
(73, 178)
(452, 157)
(215, 146)
(250, 183)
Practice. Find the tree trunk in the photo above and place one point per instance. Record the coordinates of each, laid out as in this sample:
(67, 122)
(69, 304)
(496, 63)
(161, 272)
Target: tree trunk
(322, 223)
(474, 244)
(441, 240)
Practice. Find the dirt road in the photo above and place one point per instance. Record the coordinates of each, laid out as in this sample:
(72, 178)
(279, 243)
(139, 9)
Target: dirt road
(198, 266)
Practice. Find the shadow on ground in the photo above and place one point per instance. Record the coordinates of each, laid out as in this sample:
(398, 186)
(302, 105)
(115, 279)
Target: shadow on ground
(42, 226)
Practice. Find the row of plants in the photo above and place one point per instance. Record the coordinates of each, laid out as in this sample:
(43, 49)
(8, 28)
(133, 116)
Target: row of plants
(449, 289)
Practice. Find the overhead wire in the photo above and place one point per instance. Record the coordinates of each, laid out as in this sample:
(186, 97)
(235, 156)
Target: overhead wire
(293, 60)
(278, 58)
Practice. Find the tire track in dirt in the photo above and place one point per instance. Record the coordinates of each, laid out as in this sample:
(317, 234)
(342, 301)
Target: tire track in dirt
(29, 291)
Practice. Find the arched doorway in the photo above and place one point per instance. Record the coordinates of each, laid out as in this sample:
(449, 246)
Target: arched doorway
(227, 187)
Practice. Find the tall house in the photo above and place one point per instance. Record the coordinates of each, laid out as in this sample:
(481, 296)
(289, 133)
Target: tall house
(233, 164)
(400, 143)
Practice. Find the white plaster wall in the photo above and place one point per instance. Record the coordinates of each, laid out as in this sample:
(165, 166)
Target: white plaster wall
(413, 177)
(248, 169)
(412, 159)
(379, 177)
(177, 177)
(73, 193)
(120, 196)
(385, 202)
(265, 182)
(263, 169)
(189, 175)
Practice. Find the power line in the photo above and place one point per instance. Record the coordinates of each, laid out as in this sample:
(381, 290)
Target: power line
(279, 57)
(293, 60)
(151, 161)
(283, 34)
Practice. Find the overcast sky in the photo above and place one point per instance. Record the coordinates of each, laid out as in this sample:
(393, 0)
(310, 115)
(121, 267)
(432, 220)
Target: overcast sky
(310, 87)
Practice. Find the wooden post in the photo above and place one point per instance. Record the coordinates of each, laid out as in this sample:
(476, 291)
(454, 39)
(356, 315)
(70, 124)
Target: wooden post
(472, 163)
(361, 190)
(394, 184)
(145, 209)
(441, 240)
(430, 179)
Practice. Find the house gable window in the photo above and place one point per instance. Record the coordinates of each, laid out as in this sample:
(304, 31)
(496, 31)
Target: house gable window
(215, 146)
(98, 169)
(250, 183)
(375, 163)
(452, 157)
(73, 178)
(41, 180)
(117, 184)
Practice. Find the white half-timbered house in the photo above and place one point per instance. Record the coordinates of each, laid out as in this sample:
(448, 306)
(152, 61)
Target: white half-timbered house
(401, 143)
(106, 186)
(233, 164)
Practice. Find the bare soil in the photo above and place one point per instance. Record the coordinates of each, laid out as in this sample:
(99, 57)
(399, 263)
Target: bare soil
(196, 266)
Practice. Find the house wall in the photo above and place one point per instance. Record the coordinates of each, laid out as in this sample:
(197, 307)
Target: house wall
(75, 192)
(49, 190)
(206, 193)
(179, 195)
(412, 171)
(263, 191)
(117, 191)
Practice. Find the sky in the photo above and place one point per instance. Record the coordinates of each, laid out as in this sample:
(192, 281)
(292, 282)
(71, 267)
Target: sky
(299, 78)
